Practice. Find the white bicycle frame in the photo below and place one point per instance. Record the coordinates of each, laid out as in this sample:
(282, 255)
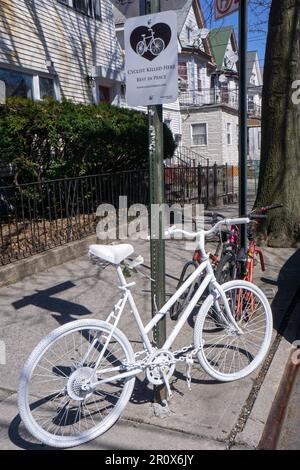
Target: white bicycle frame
(151, 37)
(209, 280)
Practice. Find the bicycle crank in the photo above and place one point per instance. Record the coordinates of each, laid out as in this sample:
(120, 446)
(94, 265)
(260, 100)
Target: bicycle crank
(160, 367)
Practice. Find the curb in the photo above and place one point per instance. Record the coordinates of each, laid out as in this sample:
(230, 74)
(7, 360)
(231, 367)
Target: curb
(277, 414)
(18, 270)
(258, 423)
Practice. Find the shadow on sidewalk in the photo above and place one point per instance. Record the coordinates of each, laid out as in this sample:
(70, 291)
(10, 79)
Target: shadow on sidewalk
(288, 294)
(44, 299)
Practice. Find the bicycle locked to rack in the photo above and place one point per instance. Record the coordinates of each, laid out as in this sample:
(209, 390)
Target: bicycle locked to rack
(229, 259)
(78, 380)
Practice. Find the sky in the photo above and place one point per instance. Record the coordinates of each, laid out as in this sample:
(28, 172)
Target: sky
(258, 24)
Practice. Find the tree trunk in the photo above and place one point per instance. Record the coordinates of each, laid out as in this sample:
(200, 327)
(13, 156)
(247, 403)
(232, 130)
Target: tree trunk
(280, 157)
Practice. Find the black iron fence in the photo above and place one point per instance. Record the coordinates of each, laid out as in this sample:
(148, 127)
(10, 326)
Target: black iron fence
(203, 184)
(39, 216)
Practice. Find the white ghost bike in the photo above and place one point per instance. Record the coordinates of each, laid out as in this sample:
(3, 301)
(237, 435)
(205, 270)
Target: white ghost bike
(79, 378)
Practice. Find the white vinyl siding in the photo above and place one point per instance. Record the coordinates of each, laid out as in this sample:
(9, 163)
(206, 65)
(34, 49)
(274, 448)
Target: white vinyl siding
(34, 34)
(216, 120)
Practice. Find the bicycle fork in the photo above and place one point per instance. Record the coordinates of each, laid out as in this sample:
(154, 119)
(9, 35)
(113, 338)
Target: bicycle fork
(229, 318)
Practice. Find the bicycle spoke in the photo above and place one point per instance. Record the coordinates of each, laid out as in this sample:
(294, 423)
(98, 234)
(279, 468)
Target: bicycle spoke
(226, 350)
(54, 410)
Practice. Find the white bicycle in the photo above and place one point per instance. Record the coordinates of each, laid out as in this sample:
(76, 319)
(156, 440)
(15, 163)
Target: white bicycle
(79, 378)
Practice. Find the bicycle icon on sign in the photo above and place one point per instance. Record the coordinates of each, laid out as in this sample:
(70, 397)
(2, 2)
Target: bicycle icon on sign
(151, 44)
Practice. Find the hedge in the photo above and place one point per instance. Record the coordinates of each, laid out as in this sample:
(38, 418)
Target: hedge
(50, 139)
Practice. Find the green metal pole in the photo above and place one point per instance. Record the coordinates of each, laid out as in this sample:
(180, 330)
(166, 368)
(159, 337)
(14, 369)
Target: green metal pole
(157, 243)
(243, 36)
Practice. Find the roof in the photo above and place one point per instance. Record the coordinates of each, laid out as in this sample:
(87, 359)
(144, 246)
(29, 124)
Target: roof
(219, 38)
(252, 58)
(183, 7)
(182, 11)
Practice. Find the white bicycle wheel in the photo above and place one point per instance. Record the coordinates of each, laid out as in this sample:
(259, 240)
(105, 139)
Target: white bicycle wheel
(157, 46)
(224, 354)
(53, 403)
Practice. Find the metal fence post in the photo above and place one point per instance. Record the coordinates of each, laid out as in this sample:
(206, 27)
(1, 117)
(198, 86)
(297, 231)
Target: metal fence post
(199, 183)
(207, 183)
(215, 170)
(226, 179)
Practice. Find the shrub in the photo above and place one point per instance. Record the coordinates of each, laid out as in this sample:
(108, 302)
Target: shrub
(50, 139)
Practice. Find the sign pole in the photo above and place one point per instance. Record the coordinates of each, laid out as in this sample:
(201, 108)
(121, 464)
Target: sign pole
(243, 36)
(157, 226)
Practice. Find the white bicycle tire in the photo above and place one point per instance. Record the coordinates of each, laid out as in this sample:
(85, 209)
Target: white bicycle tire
(198, 340)
(26, 416)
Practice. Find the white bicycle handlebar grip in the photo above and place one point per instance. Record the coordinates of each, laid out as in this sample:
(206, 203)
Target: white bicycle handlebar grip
(169, 232)
(237, 221)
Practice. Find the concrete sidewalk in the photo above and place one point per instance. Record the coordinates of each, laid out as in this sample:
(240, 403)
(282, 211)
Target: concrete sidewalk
(210, 416)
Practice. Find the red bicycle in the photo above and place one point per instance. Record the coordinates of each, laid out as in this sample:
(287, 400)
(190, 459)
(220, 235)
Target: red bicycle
(230, 260)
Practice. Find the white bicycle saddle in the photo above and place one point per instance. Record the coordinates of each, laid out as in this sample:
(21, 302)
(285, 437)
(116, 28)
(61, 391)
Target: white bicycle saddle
(114, 254)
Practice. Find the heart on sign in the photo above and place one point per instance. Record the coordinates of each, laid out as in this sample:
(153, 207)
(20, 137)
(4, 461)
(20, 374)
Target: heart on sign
(150, 42)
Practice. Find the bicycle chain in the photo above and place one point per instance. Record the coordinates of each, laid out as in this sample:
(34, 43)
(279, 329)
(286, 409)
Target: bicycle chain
(145, 363)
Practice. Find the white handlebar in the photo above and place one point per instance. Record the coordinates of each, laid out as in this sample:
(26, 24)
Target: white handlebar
(239, 221)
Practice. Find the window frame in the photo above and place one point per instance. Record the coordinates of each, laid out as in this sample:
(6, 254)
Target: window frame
(259, 140)
(183, 75)
(93, 6)
(229, 133)
(199, 78)
(35, 77)
(193, 144)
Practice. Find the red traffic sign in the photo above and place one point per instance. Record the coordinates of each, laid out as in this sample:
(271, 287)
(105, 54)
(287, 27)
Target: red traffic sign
(225, 7)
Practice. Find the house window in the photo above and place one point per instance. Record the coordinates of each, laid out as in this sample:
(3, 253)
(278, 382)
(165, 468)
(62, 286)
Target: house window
(250, 103)
(123, 91)
(87, 7)
(199, 134)
(199, 81)
(189, 30)
(17, 83)
(46, 87)
(83, 6)
(229, 134)
(259, 140)
(25, 85)
(183, 77)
